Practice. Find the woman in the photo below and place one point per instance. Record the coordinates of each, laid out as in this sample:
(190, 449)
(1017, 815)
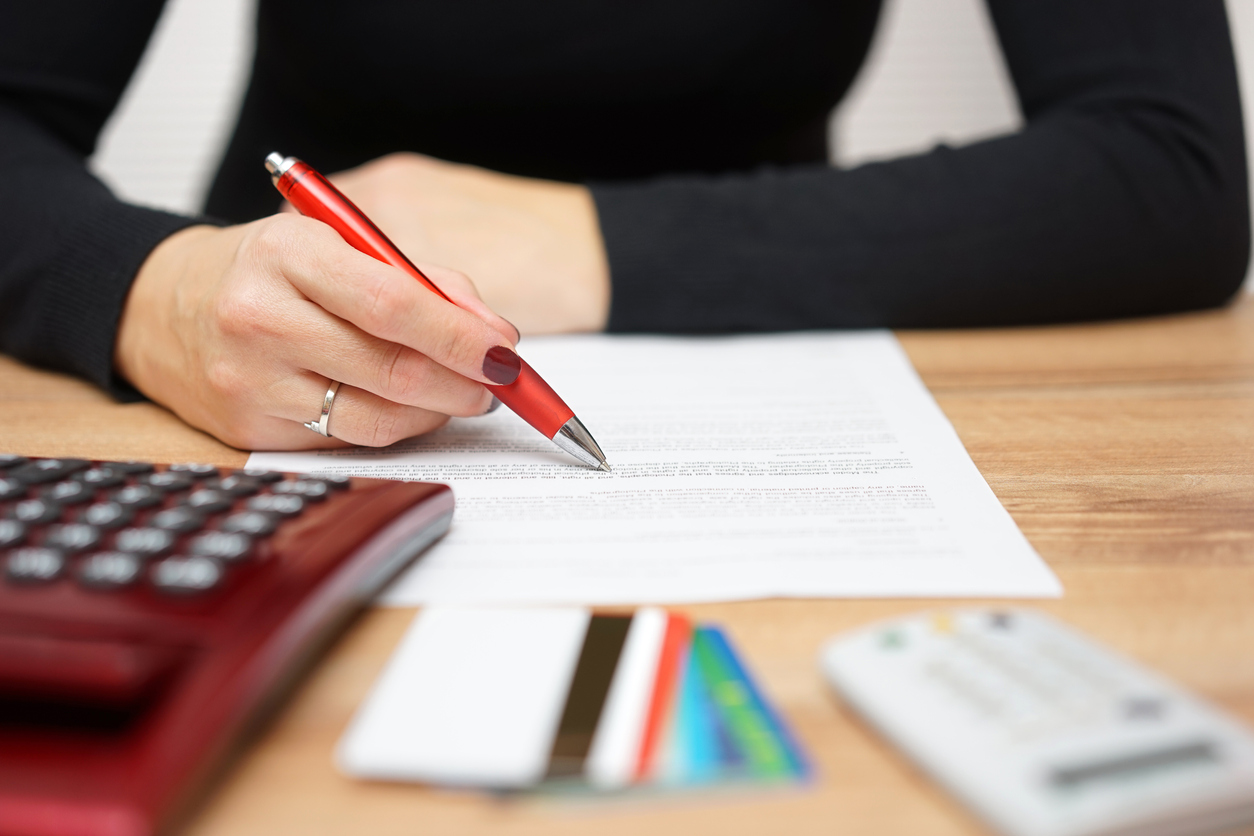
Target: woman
(652, 166)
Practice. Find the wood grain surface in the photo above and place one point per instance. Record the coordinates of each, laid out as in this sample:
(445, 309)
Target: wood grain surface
(1125, 452)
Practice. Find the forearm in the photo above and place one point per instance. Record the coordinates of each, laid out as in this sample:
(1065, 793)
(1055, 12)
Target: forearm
(1125, 195)
(68, 254)
(68, 249)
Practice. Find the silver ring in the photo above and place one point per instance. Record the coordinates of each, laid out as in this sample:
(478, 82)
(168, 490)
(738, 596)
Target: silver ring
(328, 401)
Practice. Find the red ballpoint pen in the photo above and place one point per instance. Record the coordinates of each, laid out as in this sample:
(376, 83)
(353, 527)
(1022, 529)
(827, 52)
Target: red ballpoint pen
(529, 396)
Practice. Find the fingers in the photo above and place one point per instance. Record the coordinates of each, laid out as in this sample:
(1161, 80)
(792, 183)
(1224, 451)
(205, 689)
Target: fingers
(388, 304)
(336, 349)
(458, 287)
(357, 417)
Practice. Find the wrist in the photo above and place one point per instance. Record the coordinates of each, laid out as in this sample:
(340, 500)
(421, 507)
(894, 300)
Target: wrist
(148, 305)
(590, 308)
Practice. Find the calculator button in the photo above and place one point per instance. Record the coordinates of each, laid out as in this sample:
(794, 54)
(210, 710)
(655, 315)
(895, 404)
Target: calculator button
(180, 519)
(12, 533)
(8, 460)
(10, 488)
(228, 546)
(333, 480)
(107, 515)
(307, 488)
(145, 542)
(69, 493)
(209, 501)
(255, 523)
(284, 505)
(167, 481)
(137, 496)
(132, 468)
(36, 511)
(43, 471)
(72, 537)
(186, 574)
(196, 471)
(109, 570)
(260, 475)
(34, 565)
(101, 477)
(234, 485)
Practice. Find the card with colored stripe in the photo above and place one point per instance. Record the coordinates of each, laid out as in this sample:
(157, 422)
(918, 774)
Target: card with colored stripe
(565, 698)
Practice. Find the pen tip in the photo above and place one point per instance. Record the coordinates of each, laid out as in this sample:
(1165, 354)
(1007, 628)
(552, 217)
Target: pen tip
(605, 466)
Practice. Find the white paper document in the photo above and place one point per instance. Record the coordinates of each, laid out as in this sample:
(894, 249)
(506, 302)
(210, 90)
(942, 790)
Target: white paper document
(800, 465)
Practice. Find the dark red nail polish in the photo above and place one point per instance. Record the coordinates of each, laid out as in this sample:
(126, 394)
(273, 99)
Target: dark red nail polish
(501, 366)
(496, 404)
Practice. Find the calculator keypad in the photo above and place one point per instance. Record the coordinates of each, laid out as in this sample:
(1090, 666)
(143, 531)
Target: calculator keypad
(111, 526)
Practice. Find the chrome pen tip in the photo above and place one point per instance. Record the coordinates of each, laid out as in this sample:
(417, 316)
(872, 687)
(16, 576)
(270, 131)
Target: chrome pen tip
(605, 466)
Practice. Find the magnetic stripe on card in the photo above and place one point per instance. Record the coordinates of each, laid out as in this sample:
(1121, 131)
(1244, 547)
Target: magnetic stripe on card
(598, 659)
(615, 751)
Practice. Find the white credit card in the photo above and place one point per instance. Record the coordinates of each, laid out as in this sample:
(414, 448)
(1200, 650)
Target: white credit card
(1042, 731)
(507, 698)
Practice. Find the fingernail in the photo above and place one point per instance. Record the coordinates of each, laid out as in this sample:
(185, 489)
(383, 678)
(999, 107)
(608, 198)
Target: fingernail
(496, 404)
(517, 333)
(501, 366)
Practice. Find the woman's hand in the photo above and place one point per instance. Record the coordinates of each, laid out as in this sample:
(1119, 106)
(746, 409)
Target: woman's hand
(533, 247)
(239, 330)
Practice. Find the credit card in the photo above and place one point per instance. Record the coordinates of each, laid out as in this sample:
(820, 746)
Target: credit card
(770, 751)
(567, 699)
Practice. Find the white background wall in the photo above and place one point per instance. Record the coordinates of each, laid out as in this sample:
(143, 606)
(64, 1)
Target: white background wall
(935, 73)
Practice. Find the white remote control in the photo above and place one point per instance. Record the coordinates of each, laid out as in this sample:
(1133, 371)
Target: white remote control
(1043, 732)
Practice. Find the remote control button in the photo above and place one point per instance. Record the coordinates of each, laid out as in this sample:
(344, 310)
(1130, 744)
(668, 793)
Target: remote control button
(284, 505)
(167, 481)
(69, 493)
(182, 575)
(11, 488)
(1144, 708)
(180, 519)
(101, 477)
(253, 523)
(34, 565)
(208, 501)
(234, 485)
(72, 537)
(145, 542)
(302, 487)
(228, 546)
(36, 511)
(12, 533)
(132, 468)
(260, 475)
(333, 480)
(109, 570)
(107, 515)
(8, 460)
(43, 471)
(137, 496)
(196, 471)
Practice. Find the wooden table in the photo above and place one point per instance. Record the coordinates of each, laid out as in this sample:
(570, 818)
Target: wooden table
(1125, 452)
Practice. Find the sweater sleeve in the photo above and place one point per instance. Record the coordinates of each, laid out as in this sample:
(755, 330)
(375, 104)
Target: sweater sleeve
(1125, 194)
(69, 250)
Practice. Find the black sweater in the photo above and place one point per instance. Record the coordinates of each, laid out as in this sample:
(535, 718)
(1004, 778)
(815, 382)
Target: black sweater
(699, 126)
